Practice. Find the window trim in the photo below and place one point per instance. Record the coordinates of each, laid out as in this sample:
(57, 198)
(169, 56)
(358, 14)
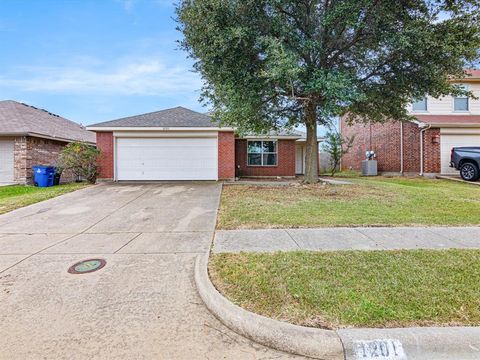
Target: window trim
(426, 105)
(466, 87)
(263, 153)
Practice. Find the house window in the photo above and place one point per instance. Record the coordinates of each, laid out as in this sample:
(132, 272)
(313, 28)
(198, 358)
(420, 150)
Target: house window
(262, 153)
(460, 103)
(420, 104)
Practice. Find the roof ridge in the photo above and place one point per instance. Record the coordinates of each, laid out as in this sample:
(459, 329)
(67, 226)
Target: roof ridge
(153, 112)
(178, 112)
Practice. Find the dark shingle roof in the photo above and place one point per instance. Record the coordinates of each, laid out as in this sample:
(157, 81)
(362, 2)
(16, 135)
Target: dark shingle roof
(175, 117)
(22, 119)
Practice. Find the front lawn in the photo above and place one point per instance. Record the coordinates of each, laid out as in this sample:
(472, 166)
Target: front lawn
(16, 196)
(355, 288)
(368, 202)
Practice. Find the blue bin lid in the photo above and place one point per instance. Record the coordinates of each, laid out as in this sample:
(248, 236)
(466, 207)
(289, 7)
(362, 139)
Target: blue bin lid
(43, 167)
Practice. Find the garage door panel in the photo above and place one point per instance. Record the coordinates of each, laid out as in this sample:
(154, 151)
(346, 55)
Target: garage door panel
(448, 141)
(6, 161)
(167, 159)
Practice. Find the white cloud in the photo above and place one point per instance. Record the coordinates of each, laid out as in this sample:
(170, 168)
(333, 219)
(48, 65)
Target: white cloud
(137, 77)
(128, 5)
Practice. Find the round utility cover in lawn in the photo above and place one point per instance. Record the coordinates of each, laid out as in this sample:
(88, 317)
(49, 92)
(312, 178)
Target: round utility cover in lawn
(87, 266)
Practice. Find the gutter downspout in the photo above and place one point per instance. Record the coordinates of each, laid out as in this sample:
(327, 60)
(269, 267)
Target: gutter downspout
(422, 131)
(340, 126)
(401, 147)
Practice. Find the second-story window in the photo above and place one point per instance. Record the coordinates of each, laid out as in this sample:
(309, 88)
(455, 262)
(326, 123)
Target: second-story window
(460, 103)
(420, 104)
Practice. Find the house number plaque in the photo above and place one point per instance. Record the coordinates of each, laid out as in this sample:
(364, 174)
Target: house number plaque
(382, 349)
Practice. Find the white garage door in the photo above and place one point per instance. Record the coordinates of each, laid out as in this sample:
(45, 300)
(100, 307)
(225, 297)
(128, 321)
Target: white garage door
(167, 159)
(447, 141)
(6, 161)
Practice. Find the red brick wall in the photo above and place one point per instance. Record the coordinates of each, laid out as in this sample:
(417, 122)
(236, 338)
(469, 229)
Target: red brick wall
(20, 160)
(431, 154)
(411, 148)
(285, 160)
(385, 141)
(30, 151)
(45, 152)
(105, 145)
(226, 155)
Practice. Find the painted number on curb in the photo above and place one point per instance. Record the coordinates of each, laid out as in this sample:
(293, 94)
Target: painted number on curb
(382, 349)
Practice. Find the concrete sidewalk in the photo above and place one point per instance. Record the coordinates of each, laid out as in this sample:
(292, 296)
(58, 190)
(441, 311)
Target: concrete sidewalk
(331, 239)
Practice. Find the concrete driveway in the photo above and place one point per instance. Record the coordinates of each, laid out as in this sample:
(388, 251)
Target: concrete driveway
(141, 305)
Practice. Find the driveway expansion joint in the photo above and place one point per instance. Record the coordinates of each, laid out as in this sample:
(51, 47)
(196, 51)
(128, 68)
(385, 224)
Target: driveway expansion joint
(37, 252)
(128, 242)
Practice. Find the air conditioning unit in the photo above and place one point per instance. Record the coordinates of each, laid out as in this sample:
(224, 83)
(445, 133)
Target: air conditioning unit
(369, 168)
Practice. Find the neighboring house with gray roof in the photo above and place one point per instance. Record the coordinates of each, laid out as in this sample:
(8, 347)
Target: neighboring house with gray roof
(30, 136)
(181, 144)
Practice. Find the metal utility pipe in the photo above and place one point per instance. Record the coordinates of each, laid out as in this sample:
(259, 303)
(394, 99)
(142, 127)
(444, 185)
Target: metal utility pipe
(422, 132)
(401, 147)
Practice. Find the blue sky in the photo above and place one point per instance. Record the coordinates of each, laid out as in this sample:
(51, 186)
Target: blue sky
(94, 60)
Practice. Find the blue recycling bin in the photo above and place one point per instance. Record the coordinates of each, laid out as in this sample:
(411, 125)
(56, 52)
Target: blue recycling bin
(43, 175)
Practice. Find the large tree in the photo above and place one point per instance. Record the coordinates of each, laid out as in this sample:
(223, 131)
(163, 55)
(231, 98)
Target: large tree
(269, 64)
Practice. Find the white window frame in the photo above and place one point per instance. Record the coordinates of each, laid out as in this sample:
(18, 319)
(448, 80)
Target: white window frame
(426, 105)
(263, 153)
(466, 87)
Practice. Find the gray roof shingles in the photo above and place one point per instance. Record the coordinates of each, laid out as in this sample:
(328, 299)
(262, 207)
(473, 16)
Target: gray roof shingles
(175, 117)
(22, 119)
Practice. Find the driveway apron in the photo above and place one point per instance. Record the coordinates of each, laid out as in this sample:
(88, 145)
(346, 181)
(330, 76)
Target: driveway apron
(141, 305)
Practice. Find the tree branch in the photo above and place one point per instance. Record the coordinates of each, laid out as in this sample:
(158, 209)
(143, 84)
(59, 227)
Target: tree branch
(358, 34)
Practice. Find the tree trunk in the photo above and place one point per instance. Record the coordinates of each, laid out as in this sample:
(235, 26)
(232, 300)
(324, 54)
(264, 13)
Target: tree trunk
(311, 161)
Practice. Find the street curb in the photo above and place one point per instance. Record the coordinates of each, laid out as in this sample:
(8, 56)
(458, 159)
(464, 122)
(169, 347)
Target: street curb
(416, 343)
(424, 343)
(294, 339)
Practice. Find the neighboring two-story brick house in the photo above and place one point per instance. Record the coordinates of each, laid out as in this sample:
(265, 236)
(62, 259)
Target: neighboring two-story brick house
(30, 136)
(421, 146)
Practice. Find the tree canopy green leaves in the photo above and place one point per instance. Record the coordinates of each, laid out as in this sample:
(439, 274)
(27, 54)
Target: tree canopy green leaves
(268, 64)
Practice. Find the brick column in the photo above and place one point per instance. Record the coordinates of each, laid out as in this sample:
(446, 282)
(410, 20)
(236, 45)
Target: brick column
(226, 155)
(431, 151)
(20, 160)
(105, 160)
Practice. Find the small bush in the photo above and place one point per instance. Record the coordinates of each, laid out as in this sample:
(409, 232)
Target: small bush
(81, 159)
(336, 146)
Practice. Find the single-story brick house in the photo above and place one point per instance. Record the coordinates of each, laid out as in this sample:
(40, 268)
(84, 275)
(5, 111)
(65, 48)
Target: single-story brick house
(30, 136)
(421, 146)
(181, 144)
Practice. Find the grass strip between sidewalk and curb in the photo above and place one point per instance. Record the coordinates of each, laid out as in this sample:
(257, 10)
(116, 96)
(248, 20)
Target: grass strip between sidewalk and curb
(355, 288)
(16, 196)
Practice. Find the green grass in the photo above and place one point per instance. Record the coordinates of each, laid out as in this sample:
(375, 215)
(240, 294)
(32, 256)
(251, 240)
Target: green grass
(355, 288)
(368, 202)
(16, 196)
